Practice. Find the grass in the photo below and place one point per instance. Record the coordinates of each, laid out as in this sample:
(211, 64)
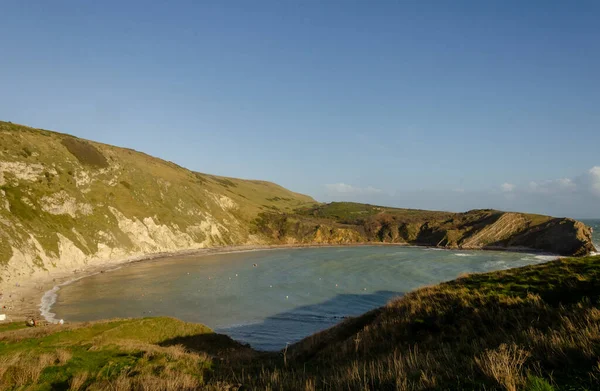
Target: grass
(103, 355)
(535, 328)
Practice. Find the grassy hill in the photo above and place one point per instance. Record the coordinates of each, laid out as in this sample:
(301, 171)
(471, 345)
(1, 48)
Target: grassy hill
(535, 328)
(64, 197)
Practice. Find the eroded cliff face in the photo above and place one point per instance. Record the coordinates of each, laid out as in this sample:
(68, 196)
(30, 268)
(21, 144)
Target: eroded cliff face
(67, 203)
(477, 229)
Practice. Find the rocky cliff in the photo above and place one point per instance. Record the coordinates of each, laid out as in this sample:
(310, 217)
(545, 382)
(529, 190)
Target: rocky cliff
(67, 202)
(477, 229)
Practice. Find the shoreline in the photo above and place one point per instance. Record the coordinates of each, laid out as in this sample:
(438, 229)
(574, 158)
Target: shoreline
(35, 297)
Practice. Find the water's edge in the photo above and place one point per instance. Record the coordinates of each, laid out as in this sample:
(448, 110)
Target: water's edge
(50, 296)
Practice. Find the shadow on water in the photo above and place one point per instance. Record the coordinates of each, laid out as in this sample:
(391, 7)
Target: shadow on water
(274, 332)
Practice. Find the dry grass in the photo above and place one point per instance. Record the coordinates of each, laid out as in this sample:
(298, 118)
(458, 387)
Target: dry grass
(504, 365)
(78, 380)
(166, 381)
(22, 368)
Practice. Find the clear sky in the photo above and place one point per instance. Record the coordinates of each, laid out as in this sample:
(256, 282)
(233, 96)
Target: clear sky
(433, 104)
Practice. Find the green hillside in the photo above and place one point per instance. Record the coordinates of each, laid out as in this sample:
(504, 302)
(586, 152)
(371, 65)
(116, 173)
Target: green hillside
(63, 196)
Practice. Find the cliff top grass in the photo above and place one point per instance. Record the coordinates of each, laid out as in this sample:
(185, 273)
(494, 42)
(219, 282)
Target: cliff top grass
(103, 355)
(532, 328)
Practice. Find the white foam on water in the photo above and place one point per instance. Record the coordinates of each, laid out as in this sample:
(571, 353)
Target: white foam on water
(540, 258)
(50, 296)
(463, 255)
(597, 245)
(545, 258)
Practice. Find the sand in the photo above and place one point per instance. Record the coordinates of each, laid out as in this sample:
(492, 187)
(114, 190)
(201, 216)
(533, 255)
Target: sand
(24, 300)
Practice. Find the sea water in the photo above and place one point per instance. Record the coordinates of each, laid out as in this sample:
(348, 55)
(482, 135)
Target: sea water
(270, 298)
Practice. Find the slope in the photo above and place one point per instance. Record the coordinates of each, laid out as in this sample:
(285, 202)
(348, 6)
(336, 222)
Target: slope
(66, 202)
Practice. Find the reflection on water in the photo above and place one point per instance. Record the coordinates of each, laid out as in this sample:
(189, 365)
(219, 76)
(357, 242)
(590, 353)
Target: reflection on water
(288, 295)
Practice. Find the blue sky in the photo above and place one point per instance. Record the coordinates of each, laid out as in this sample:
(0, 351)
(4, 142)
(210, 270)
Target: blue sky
(430, 104)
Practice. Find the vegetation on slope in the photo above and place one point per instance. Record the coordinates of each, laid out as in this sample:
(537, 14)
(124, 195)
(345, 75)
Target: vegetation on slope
(531, 328)
(107, 355)
(61, 194)
(347, 222)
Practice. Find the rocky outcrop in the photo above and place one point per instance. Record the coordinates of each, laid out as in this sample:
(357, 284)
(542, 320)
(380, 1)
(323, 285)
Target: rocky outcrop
(558, 236)
(477, 229)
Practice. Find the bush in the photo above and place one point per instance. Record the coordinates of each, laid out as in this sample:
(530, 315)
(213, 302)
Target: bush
(85, 152)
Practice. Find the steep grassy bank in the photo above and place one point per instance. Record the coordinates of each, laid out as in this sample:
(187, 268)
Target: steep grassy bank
(531, 328)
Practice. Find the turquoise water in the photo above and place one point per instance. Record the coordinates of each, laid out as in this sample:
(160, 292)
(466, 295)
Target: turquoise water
(288, 295)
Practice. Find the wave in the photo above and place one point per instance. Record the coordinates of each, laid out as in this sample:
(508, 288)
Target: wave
(463, 255)
(496, 264)
(545, 258)
(50, 296)
(540, 258)
(597, 245)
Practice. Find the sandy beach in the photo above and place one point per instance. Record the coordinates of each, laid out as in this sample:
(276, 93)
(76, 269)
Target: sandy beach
(22, 300)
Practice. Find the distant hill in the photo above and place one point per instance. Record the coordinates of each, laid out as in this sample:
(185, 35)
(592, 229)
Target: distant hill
(66, 202)
(345, 222)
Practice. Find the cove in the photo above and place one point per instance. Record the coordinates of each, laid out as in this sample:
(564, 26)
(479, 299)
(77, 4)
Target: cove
(270, 298)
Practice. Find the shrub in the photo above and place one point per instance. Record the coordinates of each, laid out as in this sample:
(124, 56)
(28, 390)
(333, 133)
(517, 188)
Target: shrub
(85, 152)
